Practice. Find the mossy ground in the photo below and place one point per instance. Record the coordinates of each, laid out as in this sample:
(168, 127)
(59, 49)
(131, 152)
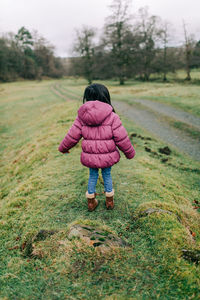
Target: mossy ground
(43, 189)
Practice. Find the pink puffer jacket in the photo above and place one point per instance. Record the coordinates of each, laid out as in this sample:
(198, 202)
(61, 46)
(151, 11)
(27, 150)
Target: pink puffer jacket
(102, 131)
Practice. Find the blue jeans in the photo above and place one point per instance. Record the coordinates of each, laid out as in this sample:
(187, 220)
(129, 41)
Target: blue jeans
(94, 174)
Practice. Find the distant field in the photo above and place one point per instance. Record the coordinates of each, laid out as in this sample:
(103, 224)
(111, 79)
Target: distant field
(181, 95)
(43, 189)
(185, 96)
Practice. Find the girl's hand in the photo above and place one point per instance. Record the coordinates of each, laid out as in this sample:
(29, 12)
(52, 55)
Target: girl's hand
(66, 153)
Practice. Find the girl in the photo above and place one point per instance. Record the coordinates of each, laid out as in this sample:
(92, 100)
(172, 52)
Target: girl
(102, 133)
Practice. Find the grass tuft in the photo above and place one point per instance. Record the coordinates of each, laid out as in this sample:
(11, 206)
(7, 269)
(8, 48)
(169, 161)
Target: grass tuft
(43, 194)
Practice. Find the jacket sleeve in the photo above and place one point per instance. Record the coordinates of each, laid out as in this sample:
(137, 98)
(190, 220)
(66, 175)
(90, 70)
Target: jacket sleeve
(72, 137)
(121, 138)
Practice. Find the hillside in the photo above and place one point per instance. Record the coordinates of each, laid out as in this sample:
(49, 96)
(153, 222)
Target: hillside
(43, 194)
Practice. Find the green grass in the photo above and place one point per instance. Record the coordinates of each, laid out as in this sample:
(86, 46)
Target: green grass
(43, 189)
(183, 95)
(188, 129)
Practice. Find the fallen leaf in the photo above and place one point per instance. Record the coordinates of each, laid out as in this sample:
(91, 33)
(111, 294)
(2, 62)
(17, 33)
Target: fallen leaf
(14, 247)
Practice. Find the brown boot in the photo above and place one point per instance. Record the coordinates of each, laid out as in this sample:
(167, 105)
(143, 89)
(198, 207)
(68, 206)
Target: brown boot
(110, 200)
(92, 202)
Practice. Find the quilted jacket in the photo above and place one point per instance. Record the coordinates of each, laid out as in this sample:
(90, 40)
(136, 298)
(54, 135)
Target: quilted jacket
(102, 133)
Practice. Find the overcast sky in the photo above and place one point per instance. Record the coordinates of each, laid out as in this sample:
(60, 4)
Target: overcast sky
(57, 19)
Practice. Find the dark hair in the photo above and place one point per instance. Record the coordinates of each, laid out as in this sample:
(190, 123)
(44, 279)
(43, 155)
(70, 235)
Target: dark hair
(97, 91)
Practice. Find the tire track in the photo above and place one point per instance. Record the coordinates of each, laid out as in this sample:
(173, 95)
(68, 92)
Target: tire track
(57, 91)
(169, 111)
(152, 122)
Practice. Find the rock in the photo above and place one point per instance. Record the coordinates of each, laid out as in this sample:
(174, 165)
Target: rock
(96, 237)
(166, 150)
(74, 232)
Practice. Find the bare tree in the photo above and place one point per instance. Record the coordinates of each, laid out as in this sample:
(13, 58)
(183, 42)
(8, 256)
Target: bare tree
(166, 64)
(149, 30)
(84, 47)
(116, 29)
(195, 62)
(165, 36)
(188, 51)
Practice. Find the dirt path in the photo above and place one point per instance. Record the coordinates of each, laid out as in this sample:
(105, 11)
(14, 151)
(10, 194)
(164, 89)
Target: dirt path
(153, 123)
(171, 112)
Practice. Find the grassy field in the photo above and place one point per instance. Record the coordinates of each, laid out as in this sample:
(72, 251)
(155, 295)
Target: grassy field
(183, 95)
(45, 190)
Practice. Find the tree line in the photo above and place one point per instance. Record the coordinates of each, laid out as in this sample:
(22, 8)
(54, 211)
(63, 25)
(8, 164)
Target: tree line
(129, 47)
(132, 47)
(28, 56)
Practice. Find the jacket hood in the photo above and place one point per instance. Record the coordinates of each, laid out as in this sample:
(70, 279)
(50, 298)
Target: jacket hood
(93, 113)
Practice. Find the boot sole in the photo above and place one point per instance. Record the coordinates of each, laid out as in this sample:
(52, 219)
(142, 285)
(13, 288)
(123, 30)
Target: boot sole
(109, 207)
